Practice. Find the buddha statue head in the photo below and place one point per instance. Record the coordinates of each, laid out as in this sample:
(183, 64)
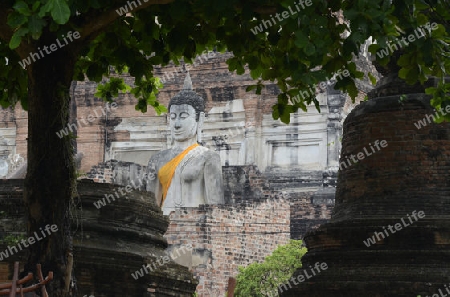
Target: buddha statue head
(187, 112)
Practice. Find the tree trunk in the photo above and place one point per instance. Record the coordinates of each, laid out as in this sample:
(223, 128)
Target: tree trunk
(50, 180)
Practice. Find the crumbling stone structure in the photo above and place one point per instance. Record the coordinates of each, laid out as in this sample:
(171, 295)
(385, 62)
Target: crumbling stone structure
(110, 243)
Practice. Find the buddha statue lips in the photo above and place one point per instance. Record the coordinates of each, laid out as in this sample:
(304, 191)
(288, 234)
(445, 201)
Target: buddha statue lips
(187, 174)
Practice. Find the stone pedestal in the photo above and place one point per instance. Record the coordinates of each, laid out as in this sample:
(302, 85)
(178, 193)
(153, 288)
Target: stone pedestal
(412, 173)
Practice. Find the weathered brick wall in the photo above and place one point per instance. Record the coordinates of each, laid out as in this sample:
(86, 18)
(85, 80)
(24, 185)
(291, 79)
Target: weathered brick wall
(101, 173)
(311, 194)
(308, 211)
(228, 236)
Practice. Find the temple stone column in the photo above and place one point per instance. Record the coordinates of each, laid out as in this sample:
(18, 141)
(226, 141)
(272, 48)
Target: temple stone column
(388, 186)
(335, 102)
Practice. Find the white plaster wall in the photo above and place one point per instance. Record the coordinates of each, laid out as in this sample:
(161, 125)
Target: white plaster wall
(301, 144)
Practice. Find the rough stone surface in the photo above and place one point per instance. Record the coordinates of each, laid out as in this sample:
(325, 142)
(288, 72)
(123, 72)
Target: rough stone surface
(311, 193)
(110, 243)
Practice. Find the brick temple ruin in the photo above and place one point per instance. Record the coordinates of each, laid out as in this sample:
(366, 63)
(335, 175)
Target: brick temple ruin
(280, 180)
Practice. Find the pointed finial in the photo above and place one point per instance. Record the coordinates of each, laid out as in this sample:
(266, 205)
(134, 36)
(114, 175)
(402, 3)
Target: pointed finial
(187, 83)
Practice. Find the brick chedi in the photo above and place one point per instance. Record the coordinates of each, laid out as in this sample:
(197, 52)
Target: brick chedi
(397, 196)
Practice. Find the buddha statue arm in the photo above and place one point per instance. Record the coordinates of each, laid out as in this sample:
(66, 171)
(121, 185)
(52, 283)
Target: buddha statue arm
(153, 184)
(213, 180)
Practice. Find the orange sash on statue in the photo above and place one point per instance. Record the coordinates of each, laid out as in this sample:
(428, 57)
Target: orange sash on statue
(166, 172)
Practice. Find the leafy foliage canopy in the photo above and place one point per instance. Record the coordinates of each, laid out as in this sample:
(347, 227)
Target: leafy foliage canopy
(297, 51)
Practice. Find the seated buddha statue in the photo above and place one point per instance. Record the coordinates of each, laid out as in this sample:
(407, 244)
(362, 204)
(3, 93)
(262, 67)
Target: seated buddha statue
(187, 174)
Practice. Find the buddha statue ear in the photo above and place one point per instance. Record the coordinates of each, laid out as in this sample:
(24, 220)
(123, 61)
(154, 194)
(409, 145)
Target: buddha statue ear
(171, 137)
(201, 120)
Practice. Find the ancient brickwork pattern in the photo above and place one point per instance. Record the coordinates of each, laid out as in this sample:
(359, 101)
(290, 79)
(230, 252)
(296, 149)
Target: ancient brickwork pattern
(226, 237)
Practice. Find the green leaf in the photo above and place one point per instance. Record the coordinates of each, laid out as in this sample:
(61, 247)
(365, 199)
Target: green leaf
(256, 73)
(17, 38)
(16, 19)
(283, 99)
(403, 73)
(421, 19)
(24, 103)
(373, 48)
(352, 91)
(301, 40)
(372, 78)
(36, 6)
(232, 63)
(240, 69)
(259, 89)
(35, 25)
(430, 90)
(141, 105)
(275, 113)
(349, 47)
(285, 117)
(22, 7)
(46, 8)
(60, 12)
(439, 31)
(309, 49)
(160, 109)
(251, 87)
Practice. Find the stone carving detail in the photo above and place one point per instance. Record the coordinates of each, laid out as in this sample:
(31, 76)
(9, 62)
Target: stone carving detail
(8, 165)
(187, 174)
(15, 160)
(220, 142)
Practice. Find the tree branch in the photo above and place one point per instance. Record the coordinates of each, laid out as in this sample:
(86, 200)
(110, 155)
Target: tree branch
(5, 30)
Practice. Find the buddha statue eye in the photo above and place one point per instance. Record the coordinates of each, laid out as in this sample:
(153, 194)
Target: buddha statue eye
(184, 115)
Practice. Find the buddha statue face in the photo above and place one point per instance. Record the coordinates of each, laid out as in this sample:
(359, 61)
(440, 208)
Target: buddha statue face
(186, 111)
(183, 123)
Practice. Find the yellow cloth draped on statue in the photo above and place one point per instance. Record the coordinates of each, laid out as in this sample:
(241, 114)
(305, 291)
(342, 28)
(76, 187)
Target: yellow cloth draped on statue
(166, 172)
